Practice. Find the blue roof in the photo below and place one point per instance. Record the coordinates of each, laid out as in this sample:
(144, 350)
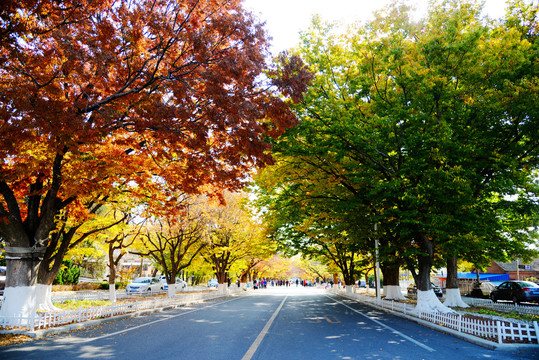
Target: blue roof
(484, 277)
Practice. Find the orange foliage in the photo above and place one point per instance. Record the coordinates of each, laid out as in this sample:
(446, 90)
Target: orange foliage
(139, 96)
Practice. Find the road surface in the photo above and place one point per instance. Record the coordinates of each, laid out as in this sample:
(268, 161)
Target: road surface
(275, 323)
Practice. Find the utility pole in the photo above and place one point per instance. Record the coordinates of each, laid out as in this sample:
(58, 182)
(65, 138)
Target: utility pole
(377, 273)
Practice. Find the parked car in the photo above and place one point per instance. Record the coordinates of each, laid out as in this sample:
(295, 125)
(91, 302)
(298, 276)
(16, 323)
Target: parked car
(180, 284)
(213, 283)
(361, 284)
(412, 289)
(516, 291)
(144, 285)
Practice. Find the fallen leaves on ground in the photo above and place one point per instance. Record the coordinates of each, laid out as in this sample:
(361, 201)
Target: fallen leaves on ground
(10, 339)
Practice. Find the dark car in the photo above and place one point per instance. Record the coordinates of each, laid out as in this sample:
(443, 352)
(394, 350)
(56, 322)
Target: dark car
(516, 291)
(412, 290)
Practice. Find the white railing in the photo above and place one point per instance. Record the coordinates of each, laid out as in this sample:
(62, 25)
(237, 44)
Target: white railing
(503, 307)
(500, 331)
(42, 320)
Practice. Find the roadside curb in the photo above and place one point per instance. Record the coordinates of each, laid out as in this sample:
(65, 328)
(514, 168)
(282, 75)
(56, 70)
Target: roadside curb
(469, 338)
(37, 334)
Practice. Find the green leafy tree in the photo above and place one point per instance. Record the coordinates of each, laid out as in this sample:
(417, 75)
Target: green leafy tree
(428, 123)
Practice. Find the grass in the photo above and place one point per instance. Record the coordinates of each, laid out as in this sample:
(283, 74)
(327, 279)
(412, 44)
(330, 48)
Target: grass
(511, 315)
(75, 304)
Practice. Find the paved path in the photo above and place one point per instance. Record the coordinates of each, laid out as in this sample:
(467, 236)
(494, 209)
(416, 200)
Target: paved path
(282, 323)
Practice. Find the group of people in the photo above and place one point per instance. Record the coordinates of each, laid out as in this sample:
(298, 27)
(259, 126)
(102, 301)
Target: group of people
(263, 283)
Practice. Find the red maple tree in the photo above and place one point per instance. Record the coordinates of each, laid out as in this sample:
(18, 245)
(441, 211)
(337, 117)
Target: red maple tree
(100, 96)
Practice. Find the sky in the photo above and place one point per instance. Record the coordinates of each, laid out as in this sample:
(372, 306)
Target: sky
(285, 18)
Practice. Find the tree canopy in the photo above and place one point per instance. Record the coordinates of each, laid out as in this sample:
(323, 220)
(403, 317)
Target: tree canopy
(148, 98)
(98, 95)
(430, 127)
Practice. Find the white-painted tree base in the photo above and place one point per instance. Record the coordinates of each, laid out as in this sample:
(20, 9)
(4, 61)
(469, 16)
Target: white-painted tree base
(44, 298)
(171, 292)
(349, 289)
(112, 293)
(428, 302)
(453, 299)
(222, 288)
(26, 300)
(243, 286)
(18, 301)
(393, 292)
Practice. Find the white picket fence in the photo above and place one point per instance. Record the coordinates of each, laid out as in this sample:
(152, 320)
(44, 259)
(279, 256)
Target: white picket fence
(43, 320)
(503, 307)
(498, 331)
(104, 295)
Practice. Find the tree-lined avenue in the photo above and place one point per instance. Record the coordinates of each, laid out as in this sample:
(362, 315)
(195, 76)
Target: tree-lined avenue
(307, 324)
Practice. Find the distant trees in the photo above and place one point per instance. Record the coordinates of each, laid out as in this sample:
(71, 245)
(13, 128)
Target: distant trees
(173, 243)
(233, 238)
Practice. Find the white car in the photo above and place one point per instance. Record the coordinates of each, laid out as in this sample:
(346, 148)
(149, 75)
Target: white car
(180, 284)
(213, 283)
(145, 285)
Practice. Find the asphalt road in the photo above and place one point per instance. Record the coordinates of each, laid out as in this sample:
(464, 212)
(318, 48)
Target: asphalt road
(282, 323)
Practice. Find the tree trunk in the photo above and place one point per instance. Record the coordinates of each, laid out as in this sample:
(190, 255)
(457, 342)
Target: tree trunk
(22, 295)
(112, 275)
(452, 297)
(171, 292)
(426, 299)
(244, 277)
(392, 289)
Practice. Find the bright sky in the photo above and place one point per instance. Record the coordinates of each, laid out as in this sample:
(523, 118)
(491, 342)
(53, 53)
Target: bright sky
(285, 18)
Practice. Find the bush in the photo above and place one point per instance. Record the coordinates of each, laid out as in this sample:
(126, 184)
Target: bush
(104, 285)
(68, 275)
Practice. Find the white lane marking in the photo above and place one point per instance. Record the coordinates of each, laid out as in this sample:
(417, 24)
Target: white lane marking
(249, 354)
(385, 326)
(152, 322)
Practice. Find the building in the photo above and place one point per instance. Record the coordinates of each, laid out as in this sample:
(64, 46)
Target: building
(516, 269)
(468, 280)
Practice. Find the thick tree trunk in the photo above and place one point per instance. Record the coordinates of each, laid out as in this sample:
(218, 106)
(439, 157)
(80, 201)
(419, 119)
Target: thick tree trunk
(222, 288)
(423, 272)
(22, 295)
(452, 296)
(392, 289)
(426, 299)
(22, 265)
